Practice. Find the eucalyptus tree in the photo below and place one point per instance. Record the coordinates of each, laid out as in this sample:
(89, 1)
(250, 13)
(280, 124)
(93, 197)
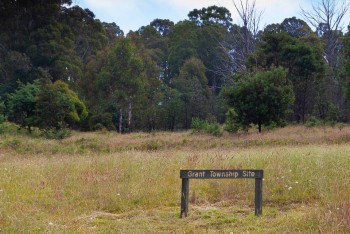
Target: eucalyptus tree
(182, 45)
(163, 26)
(214, 24)
(296, 27)
(211, 15)
(245, 36)
(120, 79)
(327, 16)
(192, 84)
(302, 59)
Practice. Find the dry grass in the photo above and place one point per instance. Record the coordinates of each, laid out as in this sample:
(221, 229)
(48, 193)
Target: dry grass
(111, 183)
(111, 142)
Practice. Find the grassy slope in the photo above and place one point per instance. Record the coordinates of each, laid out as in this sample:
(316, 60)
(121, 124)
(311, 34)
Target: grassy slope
(107, 183)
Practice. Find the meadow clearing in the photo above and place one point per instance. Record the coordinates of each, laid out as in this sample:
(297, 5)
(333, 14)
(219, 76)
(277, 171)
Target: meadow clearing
(104, 182)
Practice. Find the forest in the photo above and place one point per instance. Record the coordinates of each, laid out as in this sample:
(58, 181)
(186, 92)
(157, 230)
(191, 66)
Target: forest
(62, 68)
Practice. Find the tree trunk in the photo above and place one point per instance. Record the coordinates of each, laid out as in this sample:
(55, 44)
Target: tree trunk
(129, 116)
(120, 120)
(259, 126)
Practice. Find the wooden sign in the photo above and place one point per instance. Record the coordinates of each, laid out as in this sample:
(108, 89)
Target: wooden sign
(221, 174)
(185, 175)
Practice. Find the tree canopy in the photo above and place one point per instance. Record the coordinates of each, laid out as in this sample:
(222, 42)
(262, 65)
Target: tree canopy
(59, 64)
(262, 98)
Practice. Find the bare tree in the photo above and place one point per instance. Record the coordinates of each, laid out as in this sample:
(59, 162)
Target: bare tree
(245, 37)
(326, 17)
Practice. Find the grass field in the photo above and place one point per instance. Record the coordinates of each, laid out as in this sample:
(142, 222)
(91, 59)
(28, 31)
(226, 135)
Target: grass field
(104, 182)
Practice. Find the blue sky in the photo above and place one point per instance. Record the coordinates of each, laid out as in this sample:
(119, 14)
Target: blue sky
(132, 14)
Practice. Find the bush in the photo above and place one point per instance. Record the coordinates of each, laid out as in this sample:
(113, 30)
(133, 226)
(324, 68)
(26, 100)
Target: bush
(312, 122)
(7, 127)
(2, 112)
(231, 124)
(100, 121)
(214, 129)
(2, 118)
(57, 133)
(199, 125)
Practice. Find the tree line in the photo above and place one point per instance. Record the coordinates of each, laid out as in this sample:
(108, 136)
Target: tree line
(60, 67)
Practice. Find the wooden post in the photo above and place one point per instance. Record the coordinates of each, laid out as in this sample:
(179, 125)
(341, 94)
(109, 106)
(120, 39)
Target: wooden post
(258, 196)
(184, 197)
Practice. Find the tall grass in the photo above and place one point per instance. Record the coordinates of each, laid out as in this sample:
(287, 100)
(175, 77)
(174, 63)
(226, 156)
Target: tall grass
(111, 183)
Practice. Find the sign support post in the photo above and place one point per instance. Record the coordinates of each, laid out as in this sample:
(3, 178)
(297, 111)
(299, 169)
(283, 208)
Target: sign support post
(184, 197)
(258, 196)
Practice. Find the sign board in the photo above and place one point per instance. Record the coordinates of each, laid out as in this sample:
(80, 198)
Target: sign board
(221, 174)
(185, 175)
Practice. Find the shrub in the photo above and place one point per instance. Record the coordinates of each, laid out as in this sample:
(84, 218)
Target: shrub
(100, 121)
(2, 118)
(57, 133)
(312, 122)
(199, 125)
(7, 127)
(2, 112)
(231, 124)
(214, 129)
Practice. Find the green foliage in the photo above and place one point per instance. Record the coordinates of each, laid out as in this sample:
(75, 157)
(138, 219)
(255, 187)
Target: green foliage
(211, 15)
(121, 79)
(261, 98)
(59, 132)
(3, 117)
(163, 26)
(214, 55)
(312, 122)
(195, 94)
(295, 27)
(292, 46)
(214, 129)
(171, 109)
(100, 121)
(46, 106)
(158, 77)
(199, 125)
(8, 127)
(182, 45)
(272, 125)
(22, 105)
(231, 122)
(57, 98)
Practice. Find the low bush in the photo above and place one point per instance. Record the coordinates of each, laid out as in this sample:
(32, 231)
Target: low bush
(7, 127)
(100, 121)
(312, 122)
(199, 125)
(230, 124)
(57, 133)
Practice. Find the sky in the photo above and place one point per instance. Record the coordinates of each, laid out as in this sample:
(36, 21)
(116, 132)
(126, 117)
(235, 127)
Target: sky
(132, 14)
